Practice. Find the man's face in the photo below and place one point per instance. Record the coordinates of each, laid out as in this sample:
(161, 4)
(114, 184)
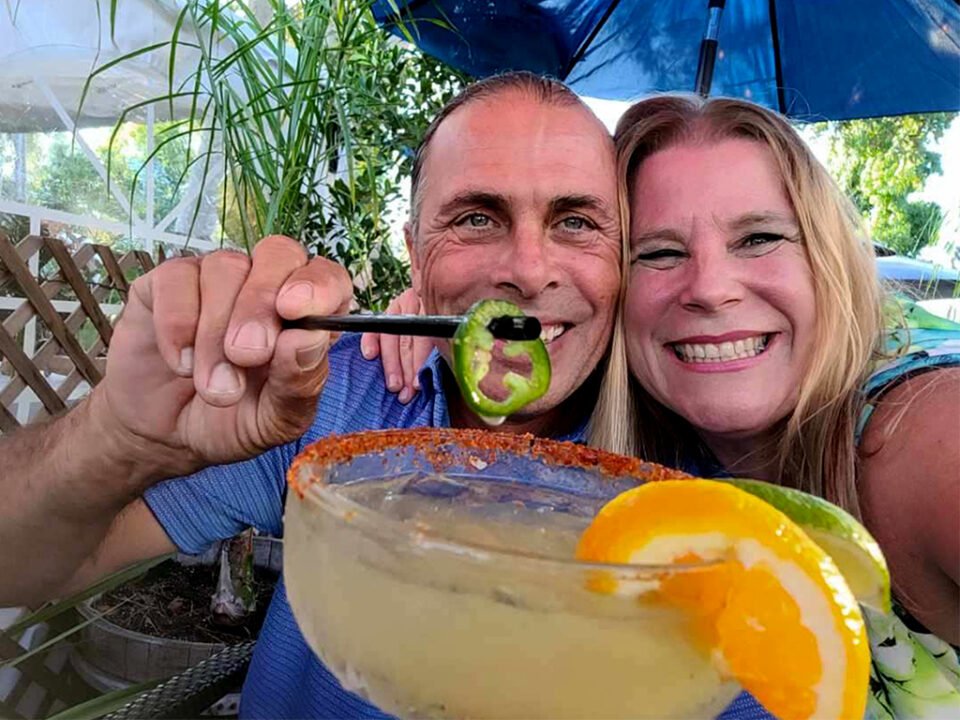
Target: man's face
(519, 202)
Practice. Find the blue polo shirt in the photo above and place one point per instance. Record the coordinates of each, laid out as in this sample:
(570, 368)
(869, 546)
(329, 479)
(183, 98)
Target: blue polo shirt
(286, 680)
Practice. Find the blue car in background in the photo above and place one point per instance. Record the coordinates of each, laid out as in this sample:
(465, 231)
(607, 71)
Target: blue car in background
(919, 279)
(935, 287)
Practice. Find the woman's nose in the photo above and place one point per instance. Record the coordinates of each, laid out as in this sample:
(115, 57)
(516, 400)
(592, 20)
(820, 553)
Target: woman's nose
(711, 282)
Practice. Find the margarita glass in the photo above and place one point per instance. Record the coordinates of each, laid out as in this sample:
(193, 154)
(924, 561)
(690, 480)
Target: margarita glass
(431, 571)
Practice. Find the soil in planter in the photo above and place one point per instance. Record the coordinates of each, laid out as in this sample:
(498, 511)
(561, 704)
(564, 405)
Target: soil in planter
(173, 601)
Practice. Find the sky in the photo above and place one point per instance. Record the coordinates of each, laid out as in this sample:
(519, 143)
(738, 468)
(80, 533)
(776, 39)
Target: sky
(942, 189)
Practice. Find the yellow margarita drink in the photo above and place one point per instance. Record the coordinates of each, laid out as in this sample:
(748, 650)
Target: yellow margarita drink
(460, 574)
(455, 594)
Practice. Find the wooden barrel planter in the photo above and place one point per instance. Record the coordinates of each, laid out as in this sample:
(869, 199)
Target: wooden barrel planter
(110, 657)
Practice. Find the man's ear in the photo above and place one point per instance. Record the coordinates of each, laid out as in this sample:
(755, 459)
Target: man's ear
(412, 251)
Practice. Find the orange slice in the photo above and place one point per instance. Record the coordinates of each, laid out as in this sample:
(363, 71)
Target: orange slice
(773, 609)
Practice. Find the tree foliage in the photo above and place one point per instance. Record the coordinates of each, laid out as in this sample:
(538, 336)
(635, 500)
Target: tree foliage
(59, 177)
(65, 180)
(880, 162)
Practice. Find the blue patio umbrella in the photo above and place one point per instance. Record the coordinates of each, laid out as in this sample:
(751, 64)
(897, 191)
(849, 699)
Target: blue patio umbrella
(810, 59)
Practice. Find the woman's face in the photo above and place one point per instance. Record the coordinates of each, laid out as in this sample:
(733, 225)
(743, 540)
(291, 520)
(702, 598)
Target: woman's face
(720, 309)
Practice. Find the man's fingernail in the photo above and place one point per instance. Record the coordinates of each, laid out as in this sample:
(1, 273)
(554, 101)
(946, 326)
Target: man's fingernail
(252, 335)
(405, 395)
(416, 383)
(366, 352)
(393, 383)
(310, 357)
(298, 293)
(186, 361)
(223, 380)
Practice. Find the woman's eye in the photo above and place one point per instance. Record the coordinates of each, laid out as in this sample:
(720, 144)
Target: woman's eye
(760, 239)
(663, 257)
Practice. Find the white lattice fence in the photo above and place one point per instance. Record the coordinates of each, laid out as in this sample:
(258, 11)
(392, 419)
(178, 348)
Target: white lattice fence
(59, 305)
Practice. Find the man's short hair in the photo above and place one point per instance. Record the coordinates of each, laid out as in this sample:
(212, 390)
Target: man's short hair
(543, 89)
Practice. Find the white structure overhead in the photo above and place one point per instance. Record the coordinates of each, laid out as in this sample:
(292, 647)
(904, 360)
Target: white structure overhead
(49, 47)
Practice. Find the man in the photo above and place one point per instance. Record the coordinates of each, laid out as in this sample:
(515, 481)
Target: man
(514, 196)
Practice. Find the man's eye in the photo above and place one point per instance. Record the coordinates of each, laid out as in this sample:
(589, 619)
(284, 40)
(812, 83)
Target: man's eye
(474, 220)
(575, 223)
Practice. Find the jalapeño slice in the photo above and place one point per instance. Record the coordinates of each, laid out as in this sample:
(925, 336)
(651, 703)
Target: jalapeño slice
(473, 352)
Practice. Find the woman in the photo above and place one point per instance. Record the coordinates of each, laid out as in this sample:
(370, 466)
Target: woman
(752, 327)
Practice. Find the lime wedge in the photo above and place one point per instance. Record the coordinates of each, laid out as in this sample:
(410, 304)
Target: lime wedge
(838, 533)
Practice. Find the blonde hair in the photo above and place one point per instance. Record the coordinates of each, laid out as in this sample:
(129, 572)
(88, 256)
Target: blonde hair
(815, 449)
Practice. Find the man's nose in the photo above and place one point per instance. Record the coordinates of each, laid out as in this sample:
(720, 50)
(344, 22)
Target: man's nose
(710, 281)
(529, 267)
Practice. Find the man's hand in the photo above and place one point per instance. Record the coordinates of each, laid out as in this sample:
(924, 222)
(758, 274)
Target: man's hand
(199, 371)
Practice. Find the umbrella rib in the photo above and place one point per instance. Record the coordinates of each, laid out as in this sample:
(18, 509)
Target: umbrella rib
(586, 43)
(413, 5)
(777, 67)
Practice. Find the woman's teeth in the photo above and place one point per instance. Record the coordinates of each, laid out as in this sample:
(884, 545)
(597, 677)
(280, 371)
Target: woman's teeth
(722, 352)
(549, 333)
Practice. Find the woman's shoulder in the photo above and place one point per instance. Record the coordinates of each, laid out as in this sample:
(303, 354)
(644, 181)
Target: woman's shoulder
(908, 484)
(910, 354)
(916, 418)
(909, 447)
(910, 423)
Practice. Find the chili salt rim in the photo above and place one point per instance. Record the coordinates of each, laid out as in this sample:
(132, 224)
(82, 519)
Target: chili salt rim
(433, 444)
